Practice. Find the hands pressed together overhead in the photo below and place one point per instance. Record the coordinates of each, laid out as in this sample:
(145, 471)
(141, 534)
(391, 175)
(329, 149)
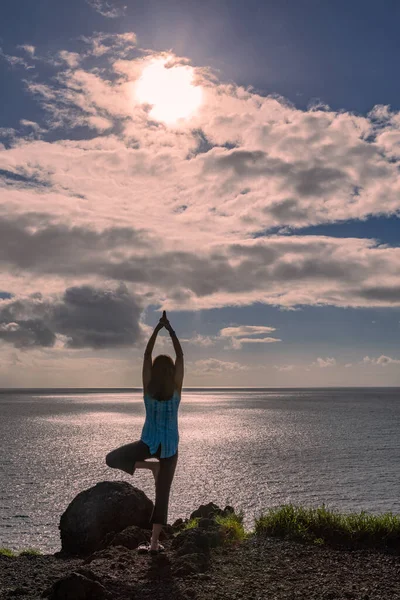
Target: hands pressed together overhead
(163, 322)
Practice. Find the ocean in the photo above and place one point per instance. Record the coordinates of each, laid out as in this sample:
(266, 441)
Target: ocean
(250, 448)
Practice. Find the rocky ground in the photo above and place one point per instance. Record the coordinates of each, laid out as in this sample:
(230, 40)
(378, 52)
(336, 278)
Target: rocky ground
(259, 568)
(203, 560)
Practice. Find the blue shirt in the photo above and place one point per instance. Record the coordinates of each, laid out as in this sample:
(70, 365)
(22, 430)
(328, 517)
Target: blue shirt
(161, 424)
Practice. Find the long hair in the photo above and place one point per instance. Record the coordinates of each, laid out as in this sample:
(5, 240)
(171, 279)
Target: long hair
(162, 382)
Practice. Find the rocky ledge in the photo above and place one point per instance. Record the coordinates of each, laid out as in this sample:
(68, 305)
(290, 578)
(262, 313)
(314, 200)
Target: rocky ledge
(99, 560)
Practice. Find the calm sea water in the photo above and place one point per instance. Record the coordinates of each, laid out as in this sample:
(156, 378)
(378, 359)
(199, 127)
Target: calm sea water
(250, 448)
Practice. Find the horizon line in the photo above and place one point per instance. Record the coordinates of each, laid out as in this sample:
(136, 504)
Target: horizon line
(15, 389)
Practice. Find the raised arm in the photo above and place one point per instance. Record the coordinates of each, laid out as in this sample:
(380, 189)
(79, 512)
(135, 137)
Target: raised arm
(147, 362)
(179, 366)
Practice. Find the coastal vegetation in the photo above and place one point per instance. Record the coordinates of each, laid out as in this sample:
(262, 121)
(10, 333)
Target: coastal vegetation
(25, 552)
(230, 527)
(318, 526)
(323, 526)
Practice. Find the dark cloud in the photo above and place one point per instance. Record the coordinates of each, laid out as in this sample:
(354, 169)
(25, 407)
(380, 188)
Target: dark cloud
(26, 333)
(317, 180)
(97, 318)
(382, 293)
(89, 318)
(245, 163)
(305, 180)
(82, 314)
(33, 242)
(288, 211)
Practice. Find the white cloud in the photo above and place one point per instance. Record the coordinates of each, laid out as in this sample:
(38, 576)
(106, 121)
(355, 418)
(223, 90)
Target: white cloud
(201, 340)
(16, 61)
(236, 335)
(193, 240)
(71, 58)
(29, 49)
(284, 367)
(107, 9)
(242, 330)
(381, 361)
(213, 365)
(323, 363)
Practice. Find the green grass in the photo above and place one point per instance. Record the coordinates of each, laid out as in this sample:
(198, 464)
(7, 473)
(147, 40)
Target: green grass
(30, 552)
(191, 523)
(323, 526)
(26, 552)
(232, 528)
(7, 552)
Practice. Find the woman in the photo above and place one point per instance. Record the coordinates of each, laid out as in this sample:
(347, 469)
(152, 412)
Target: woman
(162, 387)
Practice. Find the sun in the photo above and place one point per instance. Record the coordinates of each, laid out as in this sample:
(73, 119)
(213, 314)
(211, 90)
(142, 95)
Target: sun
(169, 90)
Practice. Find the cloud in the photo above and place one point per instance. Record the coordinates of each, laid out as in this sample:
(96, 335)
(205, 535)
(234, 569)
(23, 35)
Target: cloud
(106, 9)
(16, 61)
(232, 334)
(29, 49)
(118, 45)
(71, 58)
(210, 366)
(201, 340)
(32, 242)
(243, 330)
(284, 367)
(26, 333)
(323, 363)
(279, 270)
(235, 334)
(84, 317)
(381, 361)
(88, 209)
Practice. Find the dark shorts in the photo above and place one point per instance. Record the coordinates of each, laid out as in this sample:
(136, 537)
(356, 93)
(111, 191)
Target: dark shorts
(124, 458)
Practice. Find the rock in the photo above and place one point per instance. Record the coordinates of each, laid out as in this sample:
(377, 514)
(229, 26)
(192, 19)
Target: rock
(20, 590)
(109, 506)
(210, 510)
(109, 556)
(78, 587)
(190, 564)
(167, 532)
(179, 523)
(215, 536)
(191, 541)
(205, 523)
(131, 537)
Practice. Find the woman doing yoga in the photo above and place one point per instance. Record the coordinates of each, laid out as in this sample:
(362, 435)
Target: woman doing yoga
(162, 387)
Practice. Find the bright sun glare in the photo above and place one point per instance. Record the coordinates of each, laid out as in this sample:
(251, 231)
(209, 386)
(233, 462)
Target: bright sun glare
(170, 91)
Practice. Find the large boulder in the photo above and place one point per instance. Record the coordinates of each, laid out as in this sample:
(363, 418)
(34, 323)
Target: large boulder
(109, 506)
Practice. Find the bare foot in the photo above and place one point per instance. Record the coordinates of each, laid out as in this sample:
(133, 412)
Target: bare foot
(157, 547)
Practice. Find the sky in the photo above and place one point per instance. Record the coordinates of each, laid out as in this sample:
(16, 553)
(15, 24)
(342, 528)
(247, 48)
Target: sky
(234, 163)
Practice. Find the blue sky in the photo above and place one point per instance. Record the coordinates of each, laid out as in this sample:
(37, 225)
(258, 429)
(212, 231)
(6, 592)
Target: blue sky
(284, 220)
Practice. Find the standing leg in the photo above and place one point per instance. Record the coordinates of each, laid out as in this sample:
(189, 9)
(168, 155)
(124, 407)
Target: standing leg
(163, 487)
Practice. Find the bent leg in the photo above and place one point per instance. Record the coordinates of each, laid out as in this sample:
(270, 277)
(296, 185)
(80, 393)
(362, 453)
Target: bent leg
(124, 458)
(163, 487)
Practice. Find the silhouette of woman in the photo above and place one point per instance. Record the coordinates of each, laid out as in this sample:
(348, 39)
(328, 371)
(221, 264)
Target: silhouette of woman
(162, 387)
